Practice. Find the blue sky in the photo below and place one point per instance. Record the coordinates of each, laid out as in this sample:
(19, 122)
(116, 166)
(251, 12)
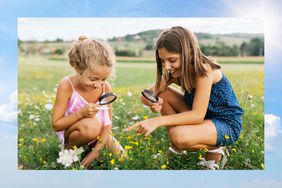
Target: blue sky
(269, 11)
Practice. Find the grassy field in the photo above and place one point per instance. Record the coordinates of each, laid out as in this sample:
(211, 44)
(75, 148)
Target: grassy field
(38, 146)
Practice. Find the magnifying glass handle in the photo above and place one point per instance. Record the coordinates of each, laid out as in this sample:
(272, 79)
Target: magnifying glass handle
(102, 108)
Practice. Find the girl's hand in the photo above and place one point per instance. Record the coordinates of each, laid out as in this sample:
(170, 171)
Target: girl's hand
(156, 107)
(89, 110)
(90, 157)
(145, 127)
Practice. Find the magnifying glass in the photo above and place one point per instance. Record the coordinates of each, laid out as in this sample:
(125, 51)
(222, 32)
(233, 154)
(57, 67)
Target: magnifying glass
(149, 95)
(105, 99)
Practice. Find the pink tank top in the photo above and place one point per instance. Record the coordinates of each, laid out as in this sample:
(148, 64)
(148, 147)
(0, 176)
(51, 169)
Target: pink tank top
(77, 102)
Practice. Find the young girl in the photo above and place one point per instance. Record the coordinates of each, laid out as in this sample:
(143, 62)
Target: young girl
(206, 114)
(77, 118)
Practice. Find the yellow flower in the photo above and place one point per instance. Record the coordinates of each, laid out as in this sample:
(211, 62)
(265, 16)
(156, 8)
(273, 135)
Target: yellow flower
(163, 166)
(43, 140)
(128, 147)
(146, 117)
(135, 143)
(36, 140)
(110, 154)
(262, 165)
(112, 161)
(226, 137)
(206, 149)
(200, 157)
(234, 149)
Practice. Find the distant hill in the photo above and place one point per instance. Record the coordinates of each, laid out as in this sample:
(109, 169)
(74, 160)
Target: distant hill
(204, 38)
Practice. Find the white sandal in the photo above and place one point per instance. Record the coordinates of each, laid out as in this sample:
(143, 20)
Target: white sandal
(177, 152)
(211, 164)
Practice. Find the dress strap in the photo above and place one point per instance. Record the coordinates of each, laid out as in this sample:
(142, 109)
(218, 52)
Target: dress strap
(68, 78)
(104, 88)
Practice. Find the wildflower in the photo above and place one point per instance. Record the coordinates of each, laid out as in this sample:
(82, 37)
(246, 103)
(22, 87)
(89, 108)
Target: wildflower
(110, 154)
(135, 143)
(146, 117)
(163, 167)
(156, 156)
(37, 119)
(129, 93)
(250, 97)
(128, 147)
(234, 150)
(67, 157)
(262, 165)
(206, 149)
(226, 137)
(43, 140)
(200, 157)
(136, 117)
(36, 140)
(31, 117)
(112, 161)
(48, 106)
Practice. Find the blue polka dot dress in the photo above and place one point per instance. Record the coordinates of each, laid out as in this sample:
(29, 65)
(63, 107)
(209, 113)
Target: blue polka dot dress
(223, 110)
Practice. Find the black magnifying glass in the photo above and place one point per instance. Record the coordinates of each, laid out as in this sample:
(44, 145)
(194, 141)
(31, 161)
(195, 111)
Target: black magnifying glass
(149, 95)
(105, 99)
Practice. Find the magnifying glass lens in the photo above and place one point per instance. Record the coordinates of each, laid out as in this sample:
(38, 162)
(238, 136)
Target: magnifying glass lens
(150, 96)
(107, 98)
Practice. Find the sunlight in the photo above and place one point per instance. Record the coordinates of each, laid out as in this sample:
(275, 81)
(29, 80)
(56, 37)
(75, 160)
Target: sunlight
(263, 10)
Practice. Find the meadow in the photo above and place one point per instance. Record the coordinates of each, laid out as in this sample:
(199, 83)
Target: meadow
(38, 145)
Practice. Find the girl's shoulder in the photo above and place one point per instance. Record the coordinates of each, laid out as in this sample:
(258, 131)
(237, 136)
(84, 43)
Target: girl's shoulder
(65, 85)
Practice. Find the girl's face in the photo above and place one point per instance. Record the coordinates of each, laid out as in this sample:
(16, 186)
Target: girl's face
(93, 78)
(170, 62)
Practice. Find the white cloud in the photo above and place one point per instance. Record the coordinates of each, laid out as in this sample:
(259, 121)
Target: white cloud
(272, 130)
(8, 112)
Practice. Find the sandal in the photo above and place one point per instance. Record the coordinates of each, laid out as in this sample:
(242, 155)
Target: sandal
(211, 164)
(177, 152)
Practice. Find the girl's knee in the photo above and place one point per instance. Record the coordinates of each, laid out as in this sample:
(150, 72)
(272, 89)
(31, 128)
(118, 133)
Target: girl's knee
(178, 140)
(73, 137)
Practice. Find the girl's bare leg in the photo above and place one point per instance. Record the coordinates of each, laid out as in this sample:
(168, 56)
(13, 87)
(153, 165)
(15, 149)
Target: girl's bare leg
(83, 131)
(189, 137)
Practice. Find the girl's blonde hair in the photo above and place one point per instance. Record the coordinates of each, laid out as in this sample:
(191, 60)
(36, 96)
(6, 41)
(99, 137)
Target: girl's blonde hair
(86, 52)
(184, 42)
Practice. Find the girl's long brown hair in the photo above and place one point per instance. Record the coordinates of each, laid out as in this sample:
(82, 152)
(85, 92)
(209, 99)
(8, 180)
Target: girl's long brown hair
(184, 42)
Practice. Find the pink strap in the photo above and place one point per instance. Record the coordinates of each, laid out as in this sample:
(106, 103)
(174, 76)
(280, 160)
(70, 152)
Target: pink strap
(104, 88)
(70, 83)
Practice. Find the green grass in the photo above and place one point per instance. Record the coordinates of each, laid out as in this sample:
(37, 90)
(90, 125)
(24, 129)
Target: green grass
(38, 146)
